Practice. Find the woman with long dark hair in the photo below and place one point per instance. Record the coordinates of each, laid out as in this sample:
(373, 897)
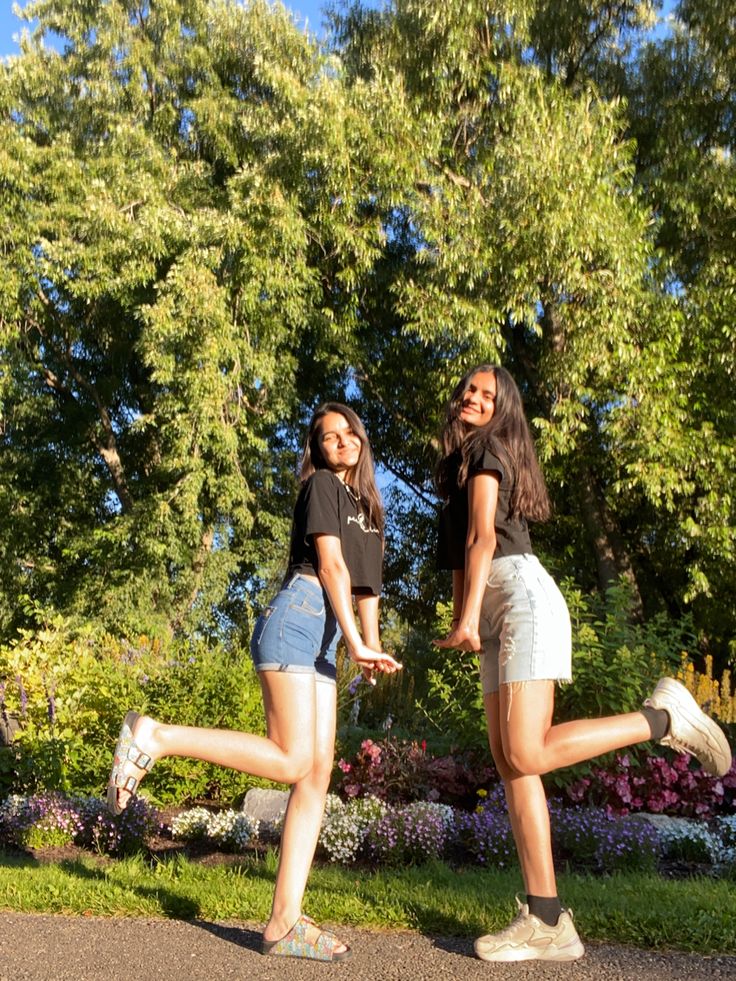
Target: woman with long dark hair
(335, 559)
(506, 606)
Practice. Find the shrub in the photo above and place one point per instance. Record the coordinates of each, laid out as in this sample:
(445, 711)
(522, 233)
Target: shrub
(70, 687)
(616, 660)
(345, 826)
(692, 842)
(595, 838)
(486, 833)
(616, 663)
(412, 834)
(229, 830)
(675, 786)
(401, 771)
(718, 697)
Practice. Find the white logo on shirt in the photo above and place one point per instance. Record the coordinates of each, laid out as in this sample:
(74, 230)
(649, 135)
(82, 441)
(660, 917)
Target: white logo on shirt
(362, 522)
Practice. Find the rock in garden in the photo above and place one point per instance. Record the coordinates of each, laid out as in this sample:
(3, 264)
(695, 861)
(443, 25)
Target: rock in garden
(266, 806)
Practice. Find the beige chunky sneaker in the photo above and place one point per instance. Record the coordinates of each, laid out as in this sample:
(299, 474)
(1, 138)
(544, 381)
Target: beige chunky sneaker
(528, 938)
(691, 730)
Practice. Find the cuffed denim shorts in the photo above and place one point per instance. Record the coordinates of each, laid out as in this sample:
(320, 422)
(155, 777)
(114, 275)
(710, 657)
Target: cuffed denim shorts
(524, 625)
(297, 632)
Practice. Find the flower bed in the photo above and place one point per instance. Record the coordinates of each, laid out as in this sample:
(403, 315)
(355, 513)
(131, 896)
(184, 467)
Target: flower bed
(374, 833)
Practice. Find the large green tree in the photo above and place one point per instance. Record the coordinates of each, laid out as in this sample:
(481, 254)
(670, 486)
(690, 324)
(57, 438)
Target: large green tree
(183, 222)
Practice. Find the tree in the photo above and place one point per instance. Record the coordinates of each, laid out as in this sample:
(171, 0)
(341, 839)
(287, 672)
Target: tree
(181, 232)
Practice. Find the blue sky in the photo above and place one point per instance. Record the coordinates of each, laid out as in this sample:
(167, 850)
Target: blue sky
(10, 25)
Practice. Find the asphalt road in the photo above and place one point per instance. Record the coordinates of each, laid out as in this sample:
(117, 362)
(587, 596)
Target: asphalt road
(77, 948)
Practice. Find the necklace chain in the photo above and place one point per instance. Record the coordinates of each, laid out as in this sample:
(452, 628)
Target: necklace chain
(353, 494)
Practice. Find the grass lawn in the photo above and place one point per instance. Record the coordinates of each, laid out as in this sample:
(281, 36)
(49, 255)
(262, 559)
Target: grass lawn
(643, 910)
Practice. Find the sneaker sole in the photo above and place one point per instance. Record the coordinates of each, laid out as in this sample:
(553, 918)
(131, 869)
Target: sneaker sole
(708, 730)
(571, 952)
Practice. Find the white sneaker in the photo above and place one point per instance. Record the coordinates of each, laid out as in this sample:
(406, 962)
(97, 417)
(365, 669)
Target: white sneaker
(528, 938)
(691, 730)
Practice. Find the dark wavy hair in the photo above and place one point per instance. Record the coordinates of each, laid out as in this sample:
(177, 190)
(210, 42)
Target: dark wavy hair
(507, 436)
(362, 476)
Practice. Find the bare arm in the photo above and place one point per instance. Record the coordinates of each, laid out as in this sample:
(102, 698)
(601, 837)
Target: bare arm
(468, 585)
(335, 578)
(368, 616)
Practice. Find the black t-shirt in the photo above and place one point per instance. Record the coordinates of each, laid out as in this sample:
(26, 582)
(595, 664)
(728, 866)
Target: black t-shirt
(326, 506)
(512, 534)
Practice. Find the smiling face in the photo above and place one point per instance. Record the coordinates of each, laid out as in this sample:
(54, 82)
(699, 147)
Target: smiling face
(479, 399)
(339, 445)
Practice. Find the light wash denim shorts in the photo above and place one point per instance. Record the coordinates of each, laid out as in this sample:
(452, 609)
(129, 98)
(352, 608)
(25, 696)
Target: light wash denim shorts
(297, 632)
(524, 625)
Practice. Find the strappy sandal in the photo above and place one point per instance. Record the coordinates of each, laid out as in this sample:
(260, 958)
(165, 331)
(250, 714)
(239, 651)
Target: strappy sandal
(295, 944)
(126, 751)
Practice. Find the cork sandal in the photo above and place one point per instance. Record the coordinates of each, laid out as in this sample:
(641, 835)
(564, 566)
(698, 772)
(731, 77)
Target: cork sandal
(127, 751)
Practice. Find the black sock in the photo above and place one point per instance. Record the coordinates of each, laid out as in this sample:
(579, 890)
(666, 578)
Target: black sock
(545, 908)
(659, 722)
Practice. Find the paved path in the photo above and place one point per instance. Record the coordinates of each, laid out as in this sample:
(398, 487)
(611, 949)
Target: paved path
(77, 948)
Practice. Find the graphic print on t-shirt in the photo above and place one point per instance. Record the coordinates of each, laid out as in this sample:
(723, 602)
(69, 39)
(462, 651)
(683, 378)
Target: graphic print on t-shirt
(362, 521)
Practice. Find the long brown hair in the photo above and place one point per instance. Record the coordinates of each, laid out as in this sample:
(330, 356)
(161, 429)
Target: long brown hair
(362, 476)
(508, 437)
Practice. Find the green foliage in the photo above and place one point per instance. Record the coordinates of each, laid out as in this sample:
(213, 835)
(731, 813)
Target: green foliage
(70, 687)
(616, 662)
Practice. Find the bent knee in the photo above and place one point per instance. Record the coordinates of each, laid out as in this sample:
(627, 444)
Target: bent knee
(524, 762)
(297, 768)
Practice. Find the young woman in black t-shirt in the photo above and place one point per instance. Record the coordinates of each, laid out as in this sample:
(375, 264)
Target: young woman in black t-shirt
(336, 555)
(507, 607)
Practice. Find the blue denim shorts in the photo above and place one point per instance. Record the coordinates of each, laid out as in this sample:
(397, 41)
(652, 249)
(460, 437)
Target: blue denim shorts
(297, 632)
(524, 625)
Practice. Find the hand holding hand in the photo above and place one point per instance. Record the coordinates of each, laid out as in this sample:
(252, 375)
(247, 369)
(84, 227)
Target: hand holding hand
(370, 660)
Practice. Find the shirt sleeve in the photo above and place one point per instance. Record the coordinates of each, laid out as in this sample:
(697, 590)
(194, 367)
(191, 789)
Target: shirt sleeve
(484, 460)
(320, 505)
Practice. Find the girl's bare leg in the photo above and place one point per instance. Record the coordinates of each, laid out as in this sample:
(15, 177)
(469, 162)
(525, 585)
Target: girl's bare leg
(284, 755)
(532, 745)
(303, 819)
(528, 814)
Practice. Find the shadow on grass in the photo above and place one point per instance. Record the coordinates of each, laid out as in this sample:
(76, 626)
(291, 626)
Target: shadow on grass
(174, 906)
(16, 857)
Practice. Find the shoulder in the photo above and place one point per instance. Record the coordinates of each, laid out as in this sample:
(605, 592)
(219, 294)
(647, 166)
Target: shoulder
(321, 481)
(320, 489)
(486, 455)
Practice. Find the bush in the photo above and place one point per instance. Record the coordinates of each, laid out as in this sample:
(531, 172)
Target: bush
(52, 820)
(676, 786)
(412, 834)
(594, 838)
(229, 830)
(345, 827)
(70, 687)
(616, 663)
(486, 833)
(402, 770)
(691, 842)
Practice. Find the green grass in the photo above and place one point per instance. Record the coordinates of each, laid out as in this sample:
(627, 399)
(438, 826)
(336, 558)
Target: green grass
(642, 910)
